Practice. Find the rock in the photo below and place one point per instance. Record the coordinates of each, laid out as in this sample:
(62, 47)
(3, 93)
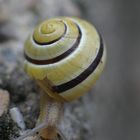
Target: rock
(4, 101)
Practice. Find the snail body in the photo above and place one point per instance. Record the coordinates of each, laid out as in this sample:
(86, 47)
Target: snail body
(66, 56)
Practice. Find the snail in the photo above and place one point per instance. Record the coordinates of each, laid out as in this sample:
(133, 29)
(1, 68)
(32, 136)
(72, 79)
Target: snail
(65, 56)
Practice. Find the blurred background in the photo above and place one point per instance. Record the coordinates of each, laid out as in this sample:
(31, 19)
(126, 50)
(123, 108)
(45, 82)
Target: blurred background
(112, 110)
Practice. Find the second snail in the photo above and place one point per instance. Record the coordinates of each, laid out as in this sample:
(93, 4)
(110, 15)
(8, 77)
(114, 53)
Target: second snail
(65, 56)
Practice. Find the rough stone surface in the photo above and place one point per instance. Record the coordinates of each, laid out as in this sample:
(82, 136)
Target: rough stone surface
(8, 129)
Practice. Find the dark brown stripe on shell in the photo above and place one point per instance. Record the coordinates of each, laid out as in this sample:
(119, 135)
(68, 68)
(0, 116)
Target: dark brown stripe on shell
(74, 82)
(58, 58)
(53, 41)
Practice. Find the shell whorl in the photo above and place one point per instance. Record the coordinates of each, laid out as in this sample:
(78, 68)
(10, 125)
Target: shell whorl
(66, 56)
(52, 41)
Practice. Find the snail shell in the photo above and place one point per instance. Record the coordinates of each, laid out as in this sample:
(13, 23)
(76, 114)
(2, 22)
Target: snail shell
(66, 56)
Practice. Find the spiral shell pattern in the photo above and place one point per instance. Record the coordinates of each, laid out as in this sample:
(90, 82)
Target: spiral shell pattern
(66, 56)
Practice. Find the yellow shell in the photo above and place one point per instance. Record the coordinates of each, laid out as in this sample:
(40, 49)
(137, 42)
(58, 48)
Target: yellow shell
(66, 56)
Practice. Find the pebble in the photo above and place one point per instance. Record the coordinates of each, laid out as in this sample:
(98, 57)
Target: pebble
(4, 101)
